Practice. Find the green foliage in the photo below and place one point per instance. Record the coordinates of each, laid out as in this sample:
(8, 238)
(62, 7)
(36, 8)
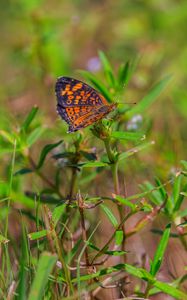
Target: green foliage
(58, 250)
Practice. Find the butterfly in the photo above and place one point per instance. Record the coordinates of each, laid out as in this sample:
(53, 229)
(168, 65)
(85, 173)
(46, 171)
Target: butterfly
(79, 104)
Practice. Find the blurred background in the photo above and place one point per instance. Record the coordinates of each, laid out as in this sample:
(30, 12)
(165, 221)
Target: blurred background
(41, 40)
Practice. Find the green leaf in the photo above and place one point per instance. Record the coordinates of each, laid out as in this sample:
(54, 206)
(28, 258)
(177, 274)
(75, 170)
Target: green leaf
(170, 290)
(37, 235)
(158, 257)
(45, 151)
(150, 97)
(45, 266)
(123, 74)
(180, 199)
(23, 171)
(116, 253)
(184, 164)
(176, 188)
(162, 286)
(139, 272)
(155, 196)
(129, 136)
(7, 136)
(58, 212)
(110, 215)
(93, 164)
(73, 252)
(107, 69)
(29, 118)
(119, 237)
(97, 84)
(34, 135)
(161, 189)
(100, 273)
(126, 202)
(134, 150)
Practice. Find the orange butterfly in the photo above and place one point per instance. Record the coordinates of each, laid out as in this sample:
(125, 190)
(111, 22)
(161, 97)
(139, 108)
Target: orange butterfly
(79, 104)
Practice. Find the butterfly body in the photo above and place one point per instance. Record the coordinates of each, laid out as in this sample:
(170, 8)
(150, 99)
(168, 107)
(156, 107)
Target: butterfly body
(79, 104)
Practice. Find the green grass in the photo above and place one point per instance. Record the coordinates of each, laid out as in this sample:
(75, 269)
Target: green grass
(74, 207)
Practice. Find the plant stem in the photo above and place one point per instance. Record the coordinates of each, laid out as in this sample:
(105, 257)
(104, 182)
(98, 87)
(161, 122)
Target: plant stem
(55, 243)
(84, 235)
(149, 286)
(114, 169)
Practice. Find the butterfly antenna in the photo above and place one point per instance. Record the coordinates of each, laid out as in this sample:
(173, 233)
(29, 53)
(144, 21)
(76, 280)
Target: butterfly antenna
(129, 103)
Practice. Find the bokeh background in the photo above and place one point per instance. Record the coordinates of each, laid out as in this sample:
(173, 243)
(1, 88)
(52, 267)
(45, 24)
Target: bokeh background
(41, 40)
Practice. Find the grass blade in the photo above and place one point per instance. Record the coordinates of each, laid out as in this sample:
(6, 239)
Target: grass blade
(29, 118)
(45, 151)
(45, 265)
(150, 97)
(107, 69)
(158, 257)
(110, 215)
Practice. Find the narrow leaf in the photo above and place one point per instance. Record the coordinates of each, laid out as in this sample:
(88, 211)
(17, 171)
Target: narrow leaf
(107, 69)
(34, 135)
(170, 290)
(57, 213)
(45, 265)
(93, 164)
(135, 150)
(158, 257)
(119, 237)
(126, 202)
(128, 136)
(23, 171)
(150, 97)
(37, 235)
(45, 151)
(123, 74)
(110, 215)
(29, 118)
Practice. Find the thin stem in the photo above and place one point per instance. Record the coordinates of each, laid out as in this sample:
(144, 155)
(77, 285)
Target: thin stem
(54, 242)
(149, 286)
(109, 150)
(114, 169)
(83, 227)
(73, 183)
(105, 247)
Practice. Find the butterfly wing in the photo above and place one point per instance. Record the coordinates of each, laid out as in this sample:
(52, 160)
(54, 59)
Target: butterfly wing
(72, 92)
(90, 117)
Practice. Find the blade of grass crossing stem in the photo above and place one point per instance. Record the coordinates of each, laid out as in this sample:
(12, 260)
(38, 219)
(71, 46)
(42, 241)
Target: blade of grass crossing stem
(150, 97)
(45, 266)
(158, 257)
